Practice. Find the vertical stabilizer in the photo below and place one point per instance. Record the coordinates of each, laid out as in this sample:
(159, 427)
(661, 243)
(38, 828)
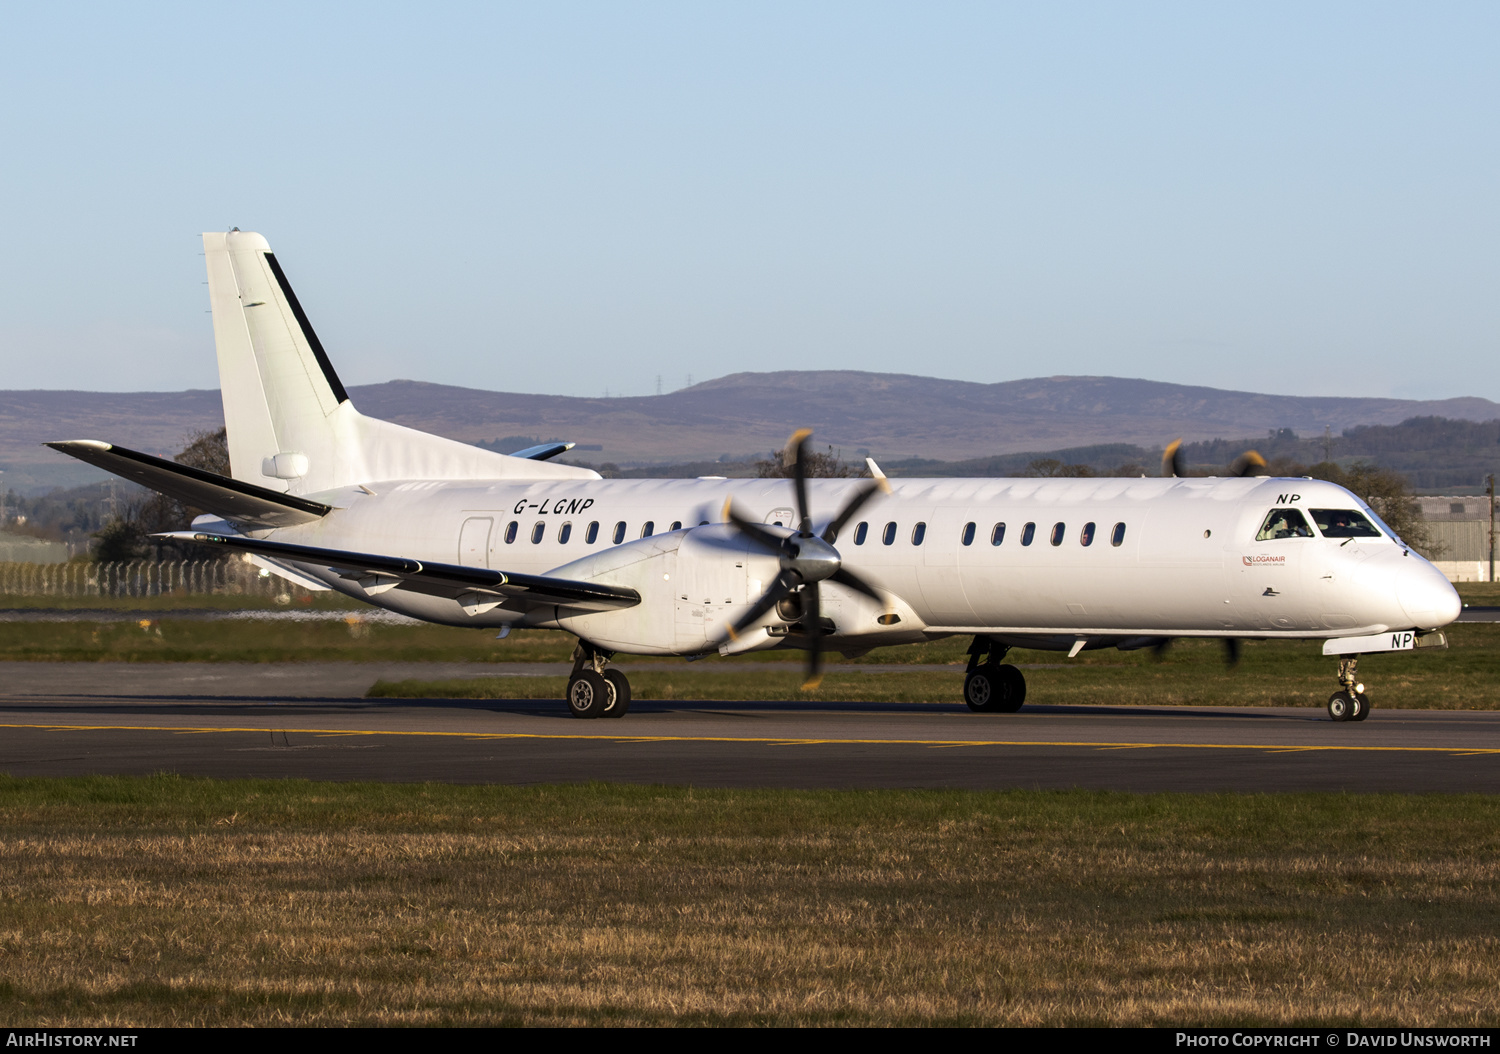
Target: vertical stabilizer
(290, 422)
(247, 415)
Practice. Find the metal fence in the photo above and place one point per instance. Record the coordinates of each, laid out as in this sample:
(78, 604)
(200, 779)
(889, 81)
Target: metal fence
(143, 578)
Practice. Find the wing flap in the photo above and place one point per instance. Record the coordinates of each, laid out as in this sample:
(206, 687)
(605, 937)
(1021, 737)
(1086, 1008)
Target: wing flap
(237, 501)
(435, 579)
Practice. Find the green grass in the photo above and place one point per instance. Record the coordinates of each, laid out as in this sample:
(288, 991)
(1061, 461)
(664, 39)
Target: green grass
(350, 639)
(346, 639)
(1480, 594)
(167, 901)
(179, 601)
(1270, 673)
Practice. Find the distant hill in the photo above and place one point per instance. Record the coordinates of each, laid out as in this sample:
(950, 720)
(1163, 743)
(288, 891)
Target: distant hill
(892, 416)
(1434, 453)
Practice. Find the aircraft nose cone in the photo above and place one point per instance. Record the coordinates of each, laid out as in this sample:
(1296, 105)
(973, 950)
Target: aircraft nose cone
(1428, 598)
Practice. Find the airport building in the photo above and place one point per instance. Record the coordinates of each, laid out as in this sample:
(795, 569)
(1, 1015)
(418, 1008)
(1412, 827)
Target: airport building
(1460, 530)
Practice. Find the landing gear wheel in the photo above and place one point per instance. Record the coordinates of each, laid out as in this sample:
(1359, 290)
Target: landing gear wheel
(621, 704)
(1013, 688)
(589, 694)
(1361, 707)
(1340, 706)
(980, 690)
(995, 689)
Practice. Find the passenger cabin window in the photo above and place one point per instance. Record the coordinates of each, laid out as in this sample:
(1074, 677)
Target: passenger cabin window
(1028, 533)
(1283, 523)
(968, 534)
(510, 531)
(1117, 536)
(564, 533)
(648, 528)
(860, 532)
(918, 533)
(591, 535)
(998, 534)
(1086, 538)
(676, 525)
(890, 533)
(619, 532)
(1343, 523)
(537, 532)
(1058, 531)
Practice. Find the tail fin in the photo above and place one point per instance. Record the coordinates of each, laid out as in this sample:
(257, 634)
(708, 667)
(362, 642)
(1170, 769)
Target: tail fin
(291, 425)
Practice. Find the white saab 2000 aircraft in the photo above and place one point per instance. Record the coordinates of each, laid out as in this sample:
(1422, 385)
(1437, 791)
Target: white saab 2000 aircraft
(450, 533)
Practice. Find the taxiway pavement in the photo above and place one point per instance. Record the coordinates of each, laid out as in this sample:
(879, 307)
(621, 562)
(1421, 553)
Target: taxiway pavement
(312, 721)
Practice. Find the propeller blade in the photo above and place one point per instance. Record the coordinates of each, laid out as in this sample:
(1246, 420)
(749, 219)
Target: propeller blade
(1171, 459)
(844, 576)
(779, 589)
(1231, 652)
(857, 502)
(797, 448)
(755, 530)
(1247, 464)
(812, 628)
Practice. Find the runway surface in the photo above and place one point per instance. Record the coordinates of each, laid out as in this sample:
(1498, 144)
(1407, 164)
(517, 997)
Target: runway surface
(311, 720)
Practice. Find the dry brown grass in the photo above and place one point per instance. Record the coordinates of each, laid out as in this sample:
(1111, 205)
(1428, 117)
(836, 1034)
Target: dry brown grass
(154, 902)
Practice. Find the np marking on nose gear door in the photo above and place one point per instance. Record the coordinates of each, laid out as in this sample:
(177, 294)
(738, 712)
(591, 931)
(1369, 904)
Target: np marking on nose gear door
(1400, 640)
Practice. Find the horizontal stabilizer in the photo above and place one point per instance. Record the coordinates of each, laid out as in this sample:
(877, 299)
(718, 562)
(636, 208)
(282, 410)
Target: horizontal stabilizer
(544, 451)
(469, 585)
(235, 500)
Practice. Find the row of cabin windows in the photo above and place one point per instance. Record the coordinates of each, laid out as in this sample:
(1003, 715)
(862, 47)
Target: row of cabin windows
(887, 535)
(997, 534)
(590, 534)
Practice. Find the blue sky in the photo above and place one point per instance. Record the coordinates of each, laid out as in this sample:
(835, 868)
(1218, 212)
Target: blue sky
(571, 198)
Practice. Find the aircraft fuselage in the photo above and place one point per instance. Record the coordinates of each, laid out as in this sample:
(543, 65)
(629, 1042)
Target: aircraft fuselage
(1044, 562)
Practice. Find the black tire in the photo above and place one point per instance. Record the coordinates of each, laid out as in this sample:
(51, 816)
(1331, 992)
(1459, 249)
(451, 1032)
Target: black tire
(588, 694)
(1339, 706)
(995, 690)
(621, 704)
(1013, 688)
(980, 690)
(1363, 710)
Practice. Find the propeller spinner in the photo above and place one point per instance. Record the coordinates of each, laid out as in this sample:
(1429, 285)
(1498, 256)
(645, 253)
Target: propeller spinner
(806, 559)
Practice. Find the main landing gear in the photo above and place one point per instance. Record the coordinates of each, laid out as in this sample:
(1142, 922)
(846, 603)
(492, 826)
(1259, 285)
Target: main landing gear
(594, 691)
(1349, 703)
(990, 686)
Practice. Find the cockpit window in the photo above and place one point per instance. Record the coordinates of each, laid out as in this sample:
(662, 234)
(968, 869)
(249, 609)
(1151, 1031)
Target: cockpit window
(1283, 523)
(1343, 523)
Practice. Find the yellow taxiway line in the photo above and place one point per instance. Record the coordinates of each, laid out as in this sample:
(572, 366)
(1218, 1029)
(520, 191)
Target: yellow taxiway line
(765, 740)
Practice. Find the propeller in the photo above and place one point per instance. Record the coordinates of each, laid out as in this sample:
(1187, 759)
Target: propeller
(1248, 464)
(1171, 460)
(806, 559)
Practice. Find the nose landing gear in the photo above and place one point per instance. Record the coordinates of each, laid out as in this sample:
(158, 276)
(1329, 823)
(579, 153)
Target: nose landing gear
(1349, 703)
(594, 691)
(991, 686)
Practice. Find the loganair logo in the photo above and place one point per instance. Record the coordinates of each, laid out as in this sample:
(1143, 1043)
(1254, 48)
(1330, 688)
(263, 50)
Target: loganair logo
(1264, 561)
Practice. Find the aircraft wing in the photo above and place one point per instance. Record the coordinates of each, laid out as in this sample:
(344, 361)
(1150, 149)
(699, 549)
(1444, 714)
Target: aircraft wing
(256, 507)
(477, 588)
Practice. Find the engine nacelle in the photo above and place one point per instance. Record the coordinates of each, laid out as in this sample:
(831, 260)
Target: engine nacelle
(695, 583)
(692, 583)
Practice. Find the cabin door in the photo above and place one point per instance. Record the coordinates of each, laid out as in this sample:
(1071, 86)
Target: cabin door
(474, 541)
